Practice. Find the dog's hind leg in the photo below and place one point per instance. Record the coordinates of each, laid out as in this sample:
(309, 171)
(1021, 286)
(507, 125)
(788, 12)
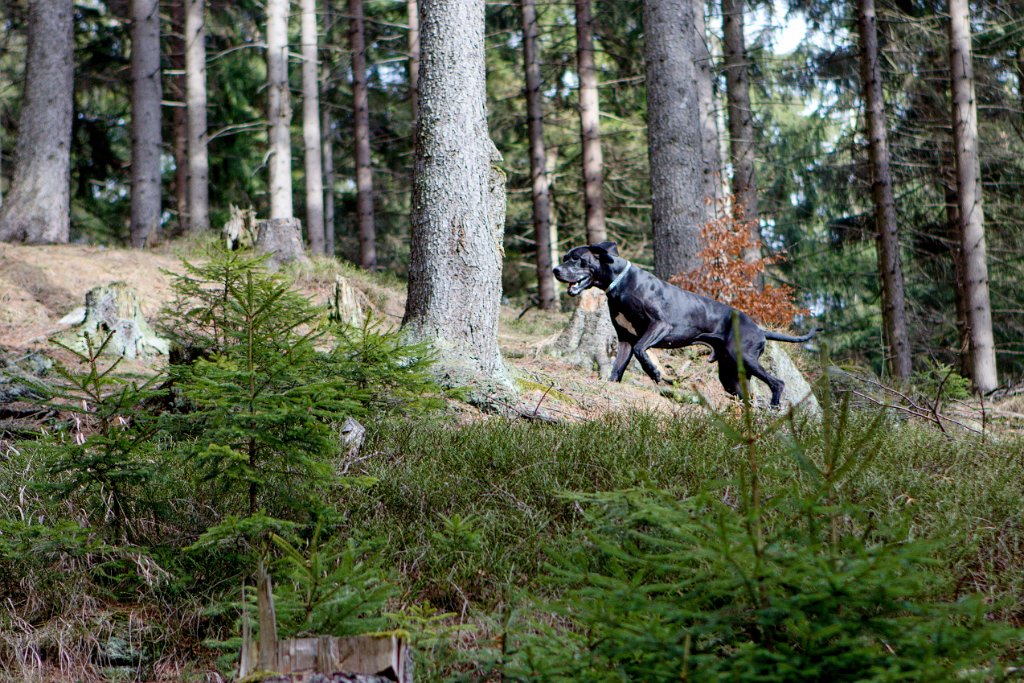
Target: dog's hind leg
(754, 369)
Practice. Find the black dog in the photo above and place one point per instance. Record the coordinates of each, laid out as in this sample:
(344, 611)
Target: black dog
(650, 313)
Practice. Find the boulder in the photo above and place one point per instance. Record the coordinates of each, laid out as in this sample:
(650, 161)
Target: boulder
(777, 361)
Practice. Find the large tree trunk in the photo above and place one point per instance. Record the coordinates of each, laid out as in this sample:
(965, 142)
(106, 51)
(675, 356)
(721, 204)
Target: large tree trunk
(311, 131)
(279, 110)
(146, 140)
(458, 203)
(590, 126)
(179, 117)
(673, 136)
(741, 121)
(37, 207)
(968, 183)
(710, 158)
(413, 12)
(195, 93)
(361, 121)
(893, 308)
(547, 300)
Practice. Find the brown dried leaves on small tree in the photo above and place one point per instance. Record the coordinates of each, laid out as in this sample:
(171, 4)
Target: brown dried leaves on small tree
(727, 276)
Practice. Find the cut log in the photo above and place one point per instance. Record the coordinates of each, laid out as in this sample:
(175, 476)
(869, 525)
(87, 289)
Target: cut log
(114, 310)
(383, 658)
(589, 338)
(281, 240)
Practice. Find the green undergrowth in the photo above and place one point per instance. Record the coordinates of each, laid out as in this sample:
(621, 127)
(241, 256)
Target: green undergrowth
(638, 546)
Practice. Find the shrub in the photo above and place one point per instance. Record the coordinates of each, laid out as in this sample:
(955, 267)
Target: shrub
(730, 584)
(729, 277)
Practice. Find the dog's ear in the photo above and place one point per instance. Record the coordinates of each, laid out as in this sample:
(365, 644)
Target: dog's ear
(605, 251)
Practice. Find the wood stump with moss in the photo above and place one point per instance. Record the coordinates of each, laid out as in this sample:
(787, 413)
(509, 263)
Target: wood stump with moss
(589, 339)
(113, 311)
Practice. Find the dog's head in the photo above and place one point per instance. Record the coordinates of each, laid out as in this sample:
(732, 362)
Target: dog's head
(589, 266)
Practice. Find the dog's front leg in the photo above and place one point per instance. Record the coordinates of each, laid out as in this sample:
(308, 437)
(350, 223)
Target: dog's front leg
(654, 334)
(621, 361)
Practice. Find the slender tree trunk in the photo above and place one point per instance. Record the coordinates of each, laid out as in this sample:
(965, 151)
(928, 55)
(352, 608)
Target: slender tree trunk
(327, 148)
(179, 118)
(712, 162)
(458, 203)
(894, 312)
(311, 131)
(37, 206)
(963, 327)
(146, 140)
(279, 110)
(968, 182)
(327, 135)
(413, 12)
(590, 126)
(741, 120)
(538, 159)
(195, 92)
(361, 121)
(673, 135)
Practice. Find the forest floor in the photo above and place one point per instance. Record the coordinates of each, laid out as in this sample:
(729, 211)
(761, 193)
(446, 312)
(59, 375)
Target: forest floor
(39, 285)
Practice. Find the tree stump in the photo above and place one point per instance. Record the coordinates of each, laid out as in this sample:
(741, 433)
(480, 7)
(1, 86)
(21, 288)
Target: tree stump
(239, 230)
(589, 339)
(348, 304)
(281, 239)
(114, 310)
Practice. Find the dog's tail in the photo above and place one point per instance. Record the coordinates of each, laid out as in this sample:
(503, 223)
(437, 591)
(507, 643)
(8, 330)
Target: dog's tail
(768, 334)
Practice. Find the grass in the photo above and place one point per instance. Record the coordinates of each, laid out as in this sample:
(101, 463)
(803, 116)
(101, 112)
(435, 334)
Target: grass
(468, 510)
(468, 517)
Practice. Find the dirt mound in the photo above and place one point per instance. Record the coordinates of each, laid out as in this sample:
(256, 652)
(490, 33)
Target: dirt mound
(39, 285)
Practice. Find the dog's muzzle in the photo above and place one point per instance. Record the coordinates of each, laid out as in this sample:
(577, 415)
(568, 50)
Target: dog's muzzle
(576, 282)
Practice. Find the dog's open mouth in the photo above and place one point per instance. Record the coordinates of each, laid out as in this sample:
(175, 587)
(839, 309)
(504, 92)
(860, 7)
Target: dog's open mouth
(579, 285)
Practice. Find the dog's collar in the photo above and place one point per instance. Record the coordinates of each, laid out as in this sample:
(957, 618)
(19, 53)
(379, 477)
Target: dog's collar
(618, 278)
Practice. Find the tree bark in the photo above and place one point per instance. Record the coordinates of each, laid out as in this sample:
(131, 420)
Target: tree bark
(361, 122)
(458, 203)
(711, 159)
(279, 110)
(590, 126)
(673, 135)
(969, 202)
(327, 135)
(179, 117)
(312, 152)
(741, 121)
(963, 328)
(37, 206)
(547, 300)
(894, 312)
(195, 93)
(413, 12)
(146, 140)
(327, 149)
